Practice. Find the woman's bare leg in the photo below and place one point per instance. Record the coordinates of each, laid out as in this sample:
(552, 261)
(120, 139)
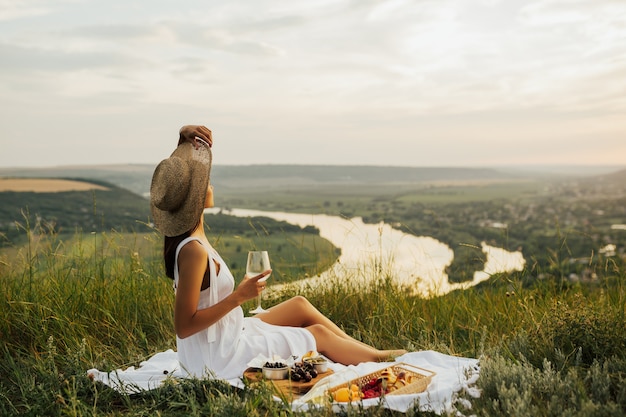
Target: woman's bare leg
(331, 340)
(299, 312)
(348, 351)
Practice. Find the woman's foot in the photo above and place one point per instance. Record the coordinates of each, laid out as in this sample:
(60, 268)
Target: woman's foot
(390, 355)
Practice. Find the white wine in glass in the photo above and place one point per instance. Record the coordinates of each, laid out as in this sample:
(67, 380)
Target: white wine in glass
(258, 262)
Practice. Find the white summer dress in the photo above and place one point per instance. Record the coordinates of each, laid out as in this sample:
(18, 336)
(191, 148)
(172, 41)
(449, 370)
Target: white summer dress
(224, 349)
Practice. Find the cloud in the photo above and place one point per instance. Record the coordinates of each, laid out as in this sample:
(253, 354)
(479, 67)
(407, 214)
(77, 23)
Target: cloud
(114, 33)
(337, 73)
(31, 59)
(224, 41)
(16, 9)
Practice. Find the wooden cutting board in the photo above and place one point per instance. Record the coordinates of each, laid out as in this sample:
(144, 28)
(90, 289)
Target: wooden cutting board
(291, 389)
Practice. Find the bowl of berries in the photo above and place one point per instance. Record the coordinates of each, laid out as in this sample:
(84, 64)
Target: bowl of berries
(275, 370)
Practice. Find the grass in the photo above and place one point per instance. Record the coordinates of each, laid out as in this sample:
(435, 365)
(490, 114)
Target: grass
(360, 198)
(100, 300)
(293, 255)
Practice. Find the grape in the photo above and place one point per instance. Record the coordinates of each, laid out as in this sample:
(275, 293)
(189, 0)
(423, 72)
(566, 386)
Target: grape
(274, 365)
(302, 372)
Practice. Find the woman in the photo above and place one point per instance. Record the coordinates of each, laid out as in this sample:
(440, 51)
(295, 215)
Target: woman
(212, 335)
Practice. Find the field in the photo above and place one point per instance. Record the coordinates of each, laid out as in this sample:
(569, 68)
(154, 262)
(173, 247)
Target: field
(50, 185)
(99, 301)
(549, 345)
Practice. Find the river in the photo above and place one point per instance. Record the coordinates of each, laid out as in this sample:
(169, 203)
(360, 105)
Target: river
(371, 251)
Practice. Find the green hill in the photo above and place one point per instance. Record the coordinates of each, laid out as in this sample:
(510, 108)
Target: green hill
(71, 211)
(136, 177)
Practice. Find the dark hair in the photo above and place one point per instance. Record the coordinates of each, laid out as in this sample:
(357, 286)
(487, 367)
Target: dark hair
(170, 243)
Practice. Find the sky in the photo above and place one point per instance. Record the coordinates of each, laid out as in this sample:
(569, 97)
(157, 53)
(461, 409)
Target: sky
(354, 82)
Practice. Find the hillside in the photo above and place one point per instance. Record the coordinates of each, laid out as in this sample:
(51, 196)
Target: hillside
(457, 206)
(545, 349)
(136, 177)
(104, 209)
(548, 337)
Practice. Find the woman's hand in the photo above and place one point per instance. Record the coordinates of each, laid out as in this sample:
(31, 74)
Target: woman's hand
(192, 265)
(188, 133)
(251, 287)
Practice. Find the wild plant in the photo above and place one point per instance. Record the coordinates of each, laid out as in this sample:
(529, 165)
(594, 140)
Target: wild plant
(70, 303)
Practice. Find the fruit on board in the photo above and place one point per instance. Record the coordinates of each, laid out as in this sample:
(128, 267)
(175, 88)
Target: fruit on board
(386, 383)
(302, 372)
(342, 395)
(347, 394)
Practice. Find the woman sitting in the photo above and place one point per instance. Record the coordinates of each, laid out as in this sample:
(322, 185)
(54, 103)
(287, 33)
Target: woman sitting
(212, 335)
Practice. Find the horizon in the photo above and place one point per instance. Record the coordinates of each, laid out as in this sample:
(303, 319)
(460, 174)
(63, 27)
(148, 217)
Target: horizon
(389, 82)
(585, 169)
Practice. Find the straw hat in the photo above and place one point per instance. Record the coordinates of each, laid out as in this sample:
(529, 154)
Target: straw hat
(179, 187)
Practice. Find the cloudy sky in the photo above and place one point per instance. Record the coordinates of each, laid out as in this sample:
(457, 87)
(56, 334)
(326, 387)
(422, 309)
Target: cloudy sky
(384, 82)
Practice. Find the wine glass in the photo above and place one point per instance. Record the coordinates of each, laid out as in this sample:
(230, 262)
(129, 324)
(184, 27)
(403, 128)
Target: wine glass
(258, 262)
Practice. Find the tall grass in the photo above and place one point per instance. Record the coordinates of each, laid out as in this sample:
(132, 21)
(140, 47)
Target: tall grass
(100, 300)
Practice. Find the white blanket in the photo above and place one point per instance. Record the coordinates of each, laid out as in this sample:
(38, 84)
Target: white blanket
(453, 375)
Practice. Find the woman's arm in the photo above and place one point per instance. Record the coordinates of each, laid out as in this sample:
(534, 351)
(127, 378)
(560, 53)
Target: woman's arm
(192, 264)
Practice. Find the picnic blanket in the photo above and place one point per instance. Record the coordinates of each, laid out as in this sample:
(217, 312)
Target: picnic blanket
(453, 376)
